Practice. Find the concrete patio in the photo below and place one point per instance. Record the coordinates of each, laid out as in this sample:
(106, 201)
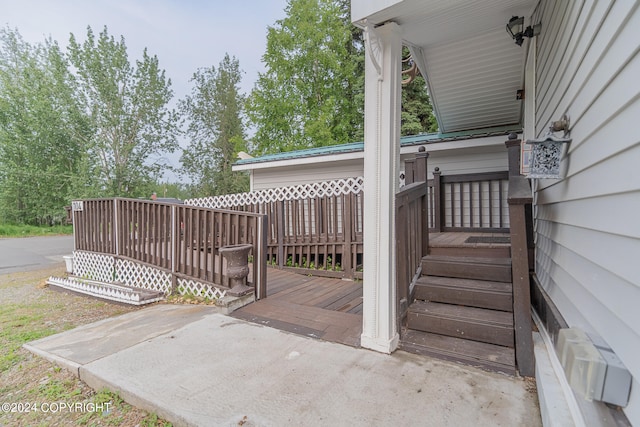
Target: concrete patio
(196, 367)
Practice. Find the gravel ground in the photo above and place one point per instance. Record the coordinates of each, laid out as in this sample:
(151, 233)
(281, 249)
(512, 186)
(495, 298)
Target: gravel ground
(31, 388)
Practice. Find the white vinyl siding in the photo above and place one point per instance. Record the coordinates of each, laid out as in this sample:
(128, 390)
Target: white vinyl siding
(287, 176)
(477, 160)
(490, 158)
(587, 228)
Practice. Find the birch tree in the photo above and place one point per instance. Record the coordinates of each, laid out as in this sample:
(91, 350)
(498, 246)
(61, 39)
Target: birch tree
(214, 128)
(131, 125)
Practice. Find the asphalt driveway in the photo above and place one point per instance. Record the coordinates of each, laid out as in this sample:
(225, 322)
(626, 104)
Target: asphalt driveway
(32, 253)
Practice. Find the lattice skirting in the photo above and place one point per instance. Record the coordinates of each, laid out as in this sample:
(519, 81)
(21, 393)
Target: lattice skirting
(142, 276)
(102, 290)
(109, 269)
(193, 287)
(94, 266)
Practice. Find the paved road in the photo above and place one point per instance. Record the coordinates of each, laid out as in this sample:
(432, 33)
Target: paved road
(31, 253)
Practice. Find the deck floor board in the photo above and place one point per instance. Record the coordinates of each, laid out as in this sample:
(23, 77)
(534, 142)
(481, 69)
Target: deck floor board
(325, 308)
(317, 307)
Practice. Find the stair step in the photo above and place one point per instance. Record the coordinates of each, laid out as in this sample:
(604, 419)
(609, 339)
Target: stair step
(477, 324)
(473, 353)
(484, 252)
(469, 292)
(480, 268)
(107, 291)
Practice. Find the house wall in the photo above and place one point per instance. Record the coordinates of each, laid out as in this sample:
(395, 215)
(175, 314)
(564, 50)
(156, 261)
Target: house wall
(587, 228)
(490, 158)
(286, 176)
(457, 162)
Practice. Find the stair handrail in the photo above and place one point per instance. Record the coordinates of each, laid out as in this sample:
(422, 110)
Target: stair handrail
(412, 231)
(520, 200)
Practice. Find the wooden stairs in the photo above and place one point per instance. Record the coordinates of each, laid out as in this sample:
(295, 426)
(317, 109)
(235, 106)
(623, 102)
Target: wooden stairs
(462, 308)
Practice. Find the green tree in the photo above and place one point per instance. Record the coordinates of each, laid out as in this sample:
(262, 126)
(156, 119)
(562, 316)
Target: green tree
(308, 95)
(40, 154)
(131, 125)
(176, 190)
(213, 113)
(417, 113)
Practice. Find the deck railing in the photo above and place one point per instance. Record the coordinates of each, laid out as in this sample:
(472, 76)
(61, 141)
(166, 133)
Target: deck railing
(312, 229)
(521, 233)
(183, 241)
(412, 236)
(465, 202)
(470, 202)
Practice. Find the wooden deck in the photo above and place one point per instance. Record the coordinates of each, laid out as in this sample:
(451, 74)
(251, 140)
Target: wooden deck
(456, 244)
(317, 307)
(331, 309)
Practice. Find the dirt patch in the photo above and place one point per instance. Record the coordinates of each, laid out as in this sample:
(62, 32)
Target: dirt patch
(530, 385)
(34, 391)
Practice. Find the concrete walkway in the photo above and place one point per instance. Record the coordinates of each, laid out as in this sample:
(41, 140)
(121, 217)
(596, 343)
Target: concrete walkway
(193, 366)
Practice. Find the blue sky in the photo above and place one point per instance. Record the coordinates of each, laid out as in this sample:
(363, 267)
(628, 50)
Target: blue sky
(185, 35)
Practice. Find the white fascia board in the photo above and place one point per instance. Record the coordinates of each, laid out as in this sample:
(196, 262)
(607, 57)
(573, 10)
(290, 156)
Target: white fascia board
(460, 144)
(300, 161)
(362, 9)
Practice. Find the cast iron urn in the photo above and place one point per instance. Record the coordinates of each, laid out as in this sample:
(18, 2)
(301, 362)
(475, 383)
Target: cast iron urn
(237, 257)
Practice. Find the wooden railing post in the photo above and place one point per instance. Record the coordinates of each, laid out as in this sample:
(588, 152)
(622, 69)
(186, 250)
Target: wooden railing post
(519, 197)
(513, 150)
(421, 176)
(347, 232)
(409, 173)
(114, 228)
(260, 258)
(174, 238)
(420, 165)
(520, 200)
(402, 258)
(279, 223)
(438, 203)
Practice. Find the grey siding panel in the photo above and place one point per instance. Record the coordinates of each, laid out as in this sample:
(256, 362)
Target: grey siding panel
(587, 228)
(450, 162)
(306, 174)
(492, 159)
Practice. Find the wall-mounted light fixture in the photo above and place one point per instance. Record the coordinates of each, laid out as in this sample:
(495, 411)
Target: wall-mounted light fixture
(516, 29)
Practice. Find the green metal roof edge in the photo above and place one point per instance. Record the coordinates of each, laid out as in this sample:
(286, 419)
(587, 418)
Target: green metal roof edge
(308, 152)
(404, 141)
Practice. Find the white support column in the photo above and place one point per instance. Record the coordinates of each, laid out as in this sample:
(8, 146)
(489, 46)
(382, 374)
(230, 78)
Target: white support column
(381, 165)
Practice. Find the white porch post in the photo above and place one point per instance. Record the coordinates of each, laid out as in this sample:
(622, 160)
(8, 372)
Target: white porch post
(381, 164)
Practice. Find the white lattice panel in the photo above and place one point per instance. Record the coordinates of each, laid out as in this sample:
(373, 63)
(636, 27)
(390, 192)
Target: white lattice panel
(307, 191)
(94, 266)
(192, 287)
(101, 290)
(142, 276)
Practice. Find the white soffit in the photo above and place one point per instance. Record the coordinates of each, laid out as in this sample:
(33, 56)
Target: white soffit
(474, 82)
(473, 68)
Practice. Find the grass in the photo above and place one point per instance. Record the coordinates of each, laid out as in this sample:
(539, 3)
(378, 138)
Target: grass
(29, 311)
(11, 230)
(20, 325)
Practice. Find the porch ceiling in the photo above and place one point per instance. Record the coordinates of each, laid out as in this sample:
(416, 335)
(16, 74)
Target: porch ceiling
(472, 67)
